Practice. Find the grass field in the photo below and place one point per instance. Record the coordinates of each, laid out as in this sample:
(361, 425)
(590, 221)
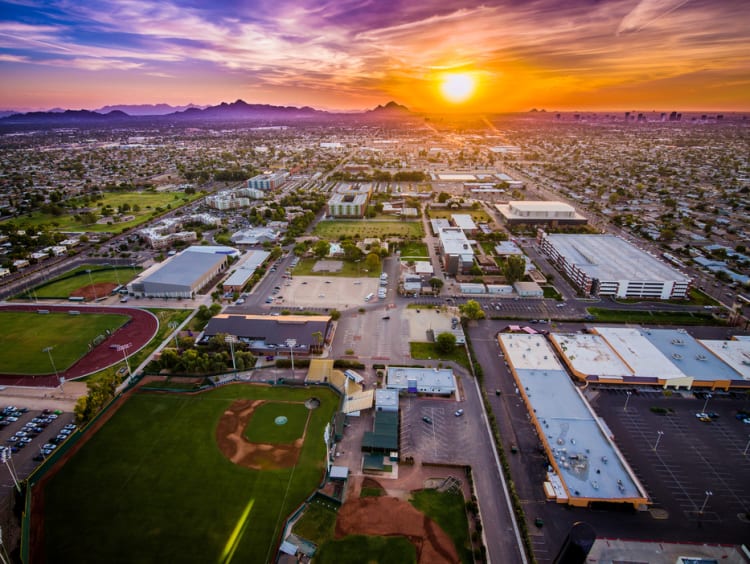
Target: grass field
(317, 524)
(447, 510)
(23, 335)
(152, 485)
(262, 427)
(148, 201)
(653, 317)
(348, 270)
(414, 249)
(335, 230)
(479, 216)
(63, 286)
(362, 549)
(429, 351)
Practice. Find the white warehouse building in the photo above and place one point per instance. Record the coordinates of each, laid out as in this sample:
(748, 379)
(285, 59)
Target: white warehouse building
(606, 265)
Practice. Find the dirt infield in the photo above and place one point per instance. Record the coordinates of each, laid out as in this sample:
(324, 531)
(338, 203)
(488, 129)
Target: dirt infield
(94, 291)
(256, 456)
(388, 516)
(137, 332)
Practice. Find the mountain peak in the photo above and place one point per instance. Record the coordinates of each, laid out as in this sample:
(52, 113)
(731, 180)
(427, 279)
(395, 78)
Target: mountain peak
(391, 107)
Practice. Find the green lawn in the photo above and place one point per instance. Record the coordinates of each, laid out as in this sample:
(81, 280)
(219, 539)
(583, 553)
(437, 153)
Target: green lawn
(152, 485)
(426, 351)
(653, 317)
(447, 510)
(361, 549)
(414, 249)
(479, 216)
(63, 286)
(335, 230)
(23, 335)
(148, 201)
(317, 524)
(262, 427)
(348, 270)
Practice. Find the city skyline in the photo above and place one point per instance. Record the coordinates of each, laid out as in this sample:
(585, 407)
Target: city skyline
(451, 56)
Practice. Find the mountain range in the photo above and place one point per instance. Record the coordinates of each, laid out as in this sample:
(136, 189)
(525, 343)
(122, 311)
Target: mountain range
(224, 112)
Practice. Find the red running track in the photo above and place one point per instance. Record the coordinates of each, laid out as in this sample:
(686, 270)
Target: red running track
(141, 328)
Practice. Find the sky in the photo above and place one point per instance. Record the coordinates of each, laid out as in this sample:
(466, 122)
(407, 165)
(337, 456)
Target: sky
(580, 55)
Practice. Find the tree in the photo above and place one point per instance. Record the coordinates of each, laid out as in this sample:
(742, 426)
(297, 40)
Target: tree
(436, 283)
(443, 197)
(372, 262)
(471, 310)
(351, 251)
(514, 269)
(321, 248)
(446, 342)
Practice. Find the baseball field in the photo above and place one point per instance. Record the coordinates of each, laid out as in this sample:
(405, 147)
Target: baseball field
(168, 478)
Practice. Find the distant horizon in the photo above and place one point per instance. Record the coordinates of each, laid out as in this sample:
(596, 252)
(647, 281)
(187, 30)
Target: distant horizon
(456, 112)
(441, 57)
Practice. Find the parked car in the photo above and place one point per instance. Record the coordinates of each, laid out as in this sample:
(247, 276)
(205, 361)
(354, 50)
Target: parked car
(459, 413)
(427, 420)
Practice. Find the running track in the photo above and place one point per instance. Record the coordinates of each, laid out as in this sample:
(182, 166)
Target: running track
(138, 332)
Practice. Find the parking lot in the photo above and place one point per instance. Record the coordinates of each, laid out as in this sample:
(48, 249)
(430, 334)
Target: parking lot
(696, 472)
(31, 436)
(434, 441)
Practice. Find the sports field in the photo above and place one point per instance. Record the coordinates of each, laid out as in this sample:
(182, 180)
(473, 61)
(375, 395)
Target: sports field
(24, 335)
(152, 485)
(63, 286)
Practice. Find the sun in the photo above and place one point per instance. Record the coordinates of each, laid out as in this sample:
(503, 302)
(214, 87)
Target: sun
(457, 87)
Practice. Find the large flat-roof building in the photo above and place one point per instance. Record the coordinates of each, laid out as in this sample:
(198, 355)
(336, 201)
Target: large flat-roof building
(267, 181)
(268, 334)
(606, 265)
(539, 213)
(587, 465)
(455, 250)
(245, 270)
(349, 200)
(437, 381)
(181, 276)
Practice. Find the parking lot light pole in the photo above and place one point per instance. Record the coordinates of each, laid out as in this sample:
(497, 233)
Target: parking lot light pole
(705, 403)
(658, 438)
(124, 350)
(627, 399)
(747, 446)
(709, 493)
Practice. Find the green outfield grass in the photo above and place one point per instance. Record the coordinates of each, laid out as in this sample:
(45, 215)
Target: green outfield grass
(447, 509)
(23, 335)
(148, 202)
(63, 286)
(362, 549)
(335, 230)
(262, 427)
(152, 485)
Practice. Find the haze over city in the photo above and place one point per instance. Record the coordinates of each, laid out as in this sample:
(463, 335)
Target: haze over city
(451, 56)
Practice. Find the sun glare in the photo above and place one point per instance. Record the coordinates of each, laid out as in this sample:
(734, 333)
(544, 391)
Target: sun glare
(457, 87)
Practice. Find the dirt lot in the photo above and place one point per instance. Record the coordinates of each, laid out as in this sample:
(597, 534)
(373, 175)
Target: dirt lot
(384, 516)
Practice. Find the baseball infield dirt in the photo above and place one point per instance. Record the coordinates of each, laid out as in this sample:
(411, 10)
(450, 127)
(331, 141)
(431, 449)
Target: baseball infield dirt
(257, 456)
(94, 291)
(387, 516)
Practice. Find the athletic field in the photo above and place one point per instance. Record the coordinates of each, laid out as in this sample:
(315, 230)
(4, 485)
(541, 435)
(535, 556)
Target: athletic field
(63, 286)
(153, 486)
(24, 335)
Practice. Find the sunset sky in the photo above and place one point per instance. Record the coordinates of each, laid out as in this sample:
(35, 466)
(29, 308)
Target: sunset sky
(354, 54)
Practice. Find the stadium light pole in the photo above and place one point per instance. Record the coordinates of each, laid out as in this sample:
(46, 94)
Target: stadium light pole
(230, 339)
(709, 493)
(291, 343)
(91, 281)
(627, 399)
(5, 456)
(48, 350)
(659, 435)
(123, 349)
(705, 403)
(174, 325)
(3, 554)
